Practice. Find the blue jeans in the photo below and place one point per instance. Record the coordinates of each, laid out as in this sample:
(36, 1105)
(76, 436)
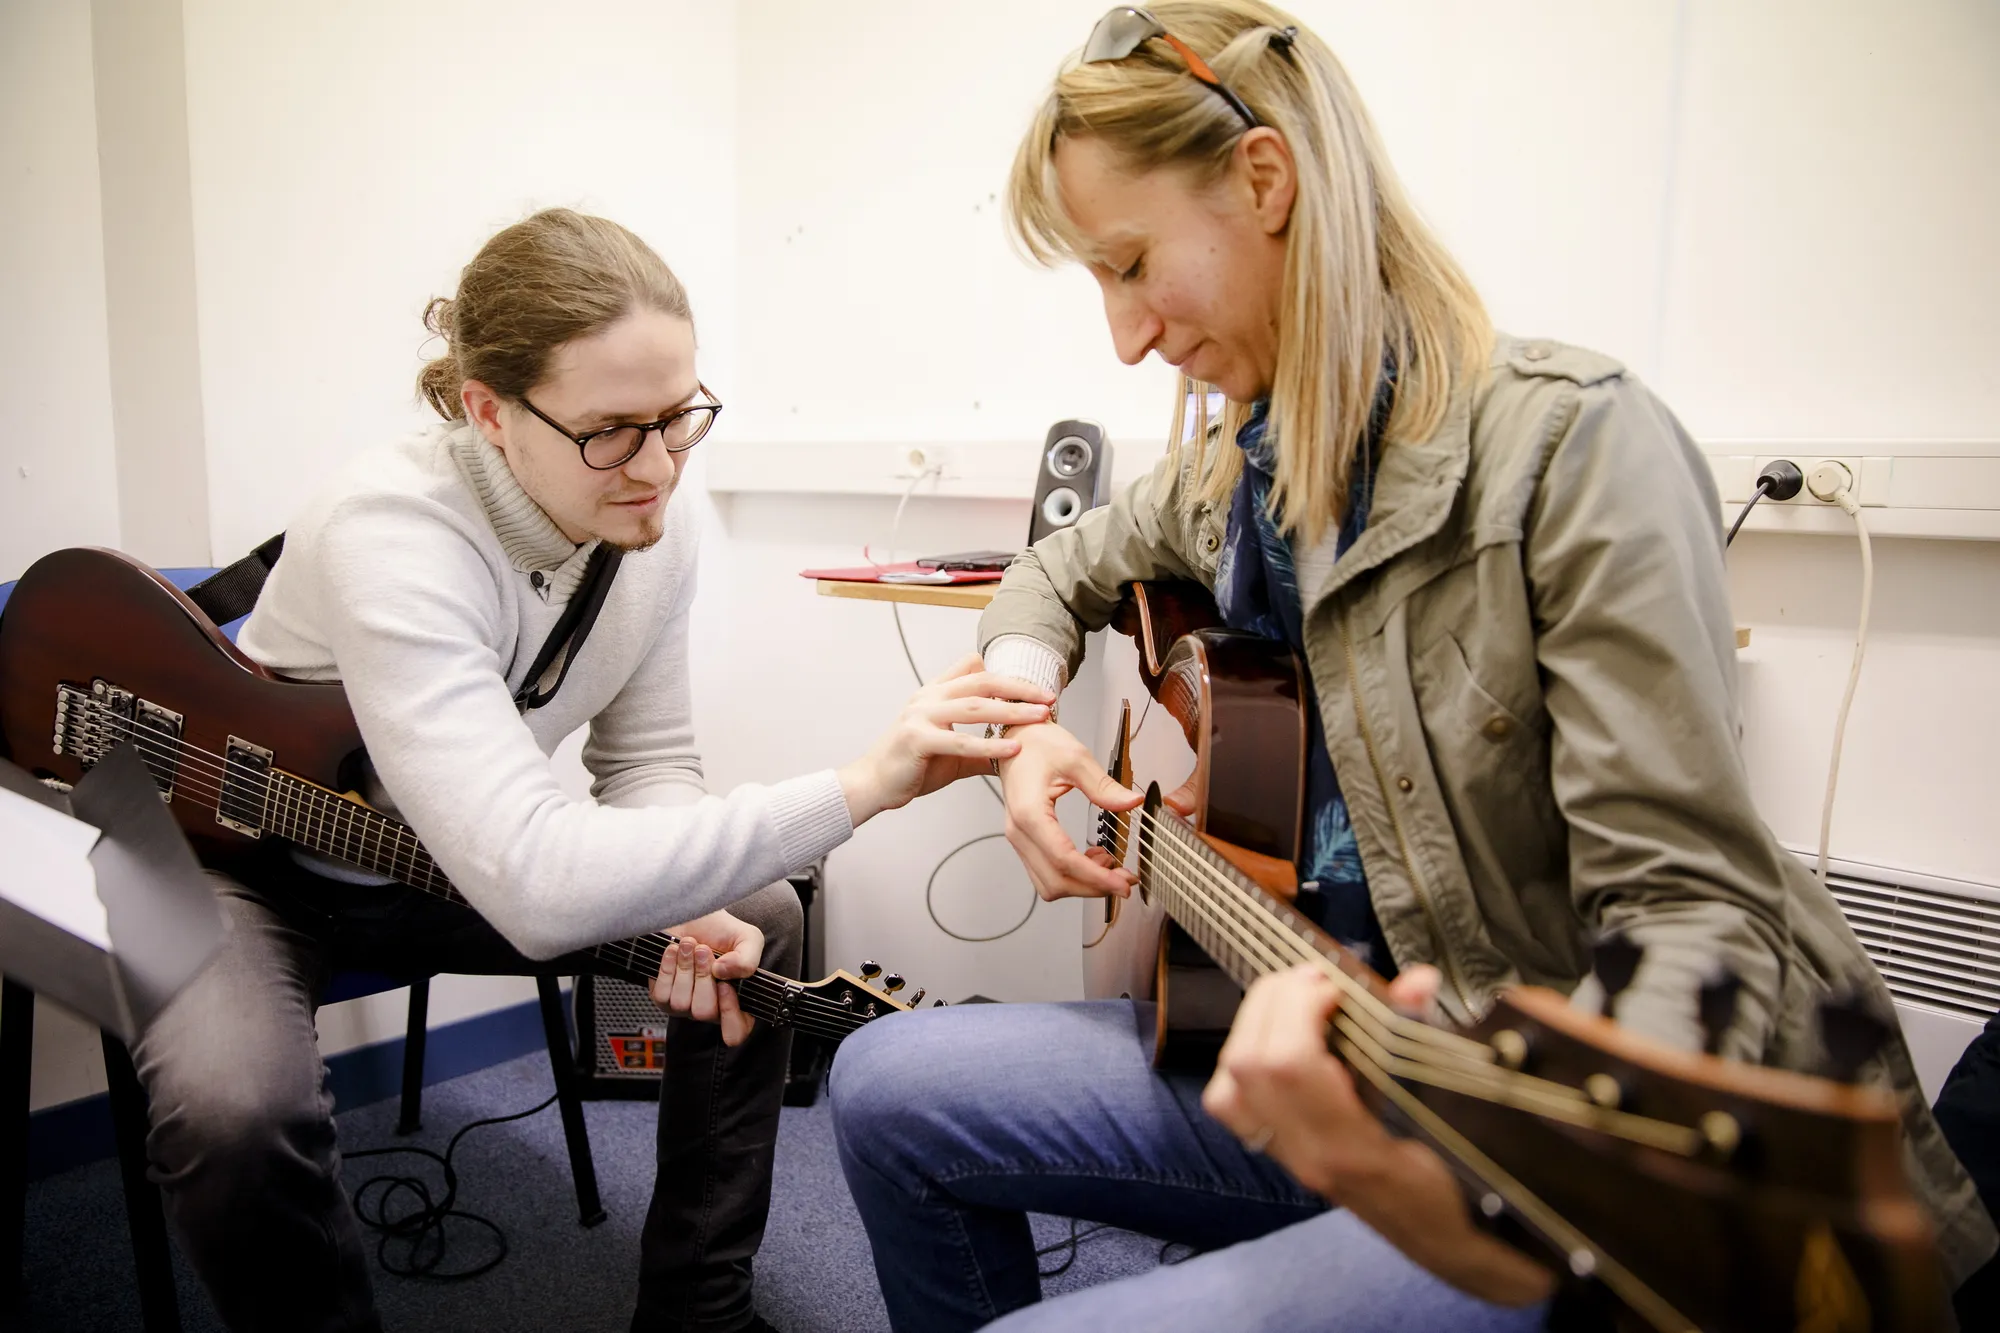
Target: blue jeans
(954, 1124)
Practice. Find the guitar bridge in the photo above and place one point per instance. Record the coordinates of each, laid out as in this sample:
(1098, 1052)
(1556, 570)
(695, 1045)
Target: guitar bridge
(91, 724)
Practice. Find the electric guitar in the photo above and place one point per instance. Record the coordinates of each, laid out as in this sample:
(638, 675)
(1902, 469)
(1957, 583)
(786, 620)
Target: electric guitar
(97, 650)
(1686, 1192)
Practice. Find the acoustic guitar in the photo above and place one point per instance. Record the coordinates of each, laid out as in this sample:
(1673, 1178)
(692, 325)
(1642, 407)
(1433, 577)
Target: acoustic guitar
(97, 650)
(1682, 1191)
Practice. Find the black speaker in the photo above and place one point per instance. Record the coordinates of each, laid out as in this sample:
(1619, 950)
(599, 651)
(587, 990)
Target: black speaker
(1074, 476)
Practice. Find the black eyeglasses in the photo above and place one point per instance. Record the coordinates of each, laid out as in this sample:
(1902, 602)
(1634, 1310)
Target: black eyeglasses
(1119, 33)
(615, 446)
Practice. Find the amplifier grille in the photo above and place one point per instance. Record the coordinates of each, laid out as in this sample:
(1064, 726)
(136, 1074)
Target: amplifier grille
(630, 1031)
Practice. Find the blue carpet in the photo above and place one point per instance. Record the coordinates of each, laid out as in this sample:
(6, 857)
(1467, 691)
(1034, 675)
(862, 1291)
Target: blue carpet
(813, 1274)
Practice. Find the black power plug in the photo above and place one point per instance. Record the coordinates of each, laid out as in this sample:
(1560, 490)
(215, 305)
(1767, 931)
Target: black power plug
(1780, 479)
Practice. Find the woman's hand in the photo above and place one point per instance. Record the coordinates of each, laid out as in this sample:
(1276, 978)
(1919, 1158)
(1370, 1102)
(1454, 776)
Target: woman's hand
(693, 977)
(920, 752)
(1051, 762)
(1278, 1087)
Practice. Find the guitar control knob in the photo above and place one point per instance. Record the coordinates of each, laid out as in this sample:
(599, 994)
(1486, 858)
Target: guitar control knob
(893, 982)
(871, 969)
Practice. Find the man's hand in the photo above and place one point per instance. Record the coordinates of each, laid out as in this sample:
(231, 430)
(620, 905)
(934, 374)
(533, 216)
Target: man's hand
(1051, 762)
(693, 977)
(1278, 1088)
(920, 752)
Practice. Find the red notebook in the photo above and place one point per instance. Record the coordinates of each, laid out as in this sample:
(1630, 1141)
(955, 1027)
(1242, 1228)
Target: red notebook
(905, 572)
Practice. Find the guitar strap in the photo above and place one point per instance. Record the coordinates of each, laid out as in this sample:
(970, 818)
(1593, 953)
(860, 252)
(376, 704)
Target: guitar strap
(566, 639)
(230, 593)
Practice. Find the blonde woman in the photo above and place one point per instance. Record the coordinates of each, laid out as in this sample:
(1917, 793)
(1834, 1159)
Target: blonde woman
(1502, 564)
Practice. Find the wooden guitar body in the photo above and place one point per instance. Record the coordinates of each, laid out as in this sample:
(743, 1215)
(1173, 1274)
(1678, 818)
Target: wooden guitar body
(1236, 704)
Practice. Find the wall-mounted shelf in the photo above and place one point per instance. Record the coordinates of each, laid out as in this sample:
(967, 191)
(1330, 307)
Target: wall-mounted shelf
(972, 596)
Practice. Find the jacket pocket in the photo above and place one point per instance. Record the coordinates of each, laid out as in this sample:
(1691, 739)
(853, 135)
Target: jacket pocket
(1492, 766)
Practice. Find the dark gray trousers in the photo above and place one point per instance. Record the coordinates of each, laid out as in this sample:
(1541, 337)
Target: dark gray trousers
(242, 1138)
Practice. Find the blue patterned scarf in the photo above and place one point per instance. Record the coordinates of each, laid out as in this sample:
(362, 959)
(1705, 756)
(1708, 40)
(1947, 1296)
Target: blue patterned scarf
(1257, 589)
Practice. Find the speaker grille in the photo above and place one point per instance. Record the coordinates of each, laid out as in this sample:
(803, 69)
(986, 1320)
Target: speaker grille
(1936, 941)
(630, 1033)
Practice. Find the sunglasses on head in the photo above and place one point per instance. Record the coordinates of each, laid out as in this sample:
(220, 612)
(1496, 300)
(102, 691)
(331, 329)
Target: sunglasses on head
(1119, 33)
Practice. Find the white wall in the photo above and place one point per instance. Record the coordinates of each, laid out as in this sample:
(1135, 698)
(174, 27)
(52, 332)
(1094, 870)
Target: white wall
(58, 482)
(347, 160)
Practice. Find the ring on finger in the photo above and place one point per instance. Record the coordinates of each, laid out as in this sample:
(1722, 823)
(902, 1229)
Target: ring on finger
(1260, 1140)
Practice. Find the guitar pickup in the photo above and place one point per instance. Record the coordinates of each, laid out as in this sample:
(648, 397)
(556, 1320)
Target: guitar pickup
(246, 783)
(157, 732)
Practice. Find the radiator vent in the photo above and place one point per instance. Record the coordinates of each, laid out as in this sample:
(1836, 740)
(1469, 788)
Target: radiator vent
(1936, 941)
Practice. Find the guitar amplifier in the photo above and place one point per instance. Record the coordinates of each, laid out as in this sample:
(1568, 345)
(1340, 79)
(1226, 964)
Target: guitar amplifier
(621, 1035)
(621, 1039)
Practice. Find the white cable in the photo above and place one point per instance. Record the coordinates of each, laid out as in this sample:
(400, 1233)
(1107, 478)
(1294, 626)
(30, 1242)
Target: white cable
(896, 609)
(896, 613)
(1845, 499)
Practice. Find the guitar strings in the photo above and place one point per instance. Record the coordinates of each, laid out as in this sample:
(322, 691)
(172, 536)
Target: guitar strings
(1474, 1077)
(211, 788)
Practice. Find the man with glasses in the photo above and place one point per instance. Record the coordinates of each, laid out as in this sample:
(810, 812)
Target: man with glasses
(432, 579)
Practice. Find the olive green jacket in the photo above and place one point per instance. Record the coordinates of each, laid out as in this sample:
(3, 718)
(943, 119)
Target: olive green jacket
(1526, 672)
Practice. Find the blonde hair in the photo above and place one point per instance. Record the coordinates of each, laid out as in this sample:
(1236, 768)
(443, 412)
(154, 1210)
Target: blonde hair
(534, 286)
(1364, 277)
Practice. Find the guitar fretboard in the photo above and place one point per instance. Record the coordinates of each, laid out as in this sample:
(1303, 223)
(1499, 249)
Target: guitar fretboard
(346, 830)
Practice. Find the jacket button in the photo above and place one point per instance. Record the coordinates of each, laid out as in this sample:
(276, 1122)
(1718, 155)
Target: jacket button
(1497, 727)
(1404, 784)
(1536, 351)
(1210, 543)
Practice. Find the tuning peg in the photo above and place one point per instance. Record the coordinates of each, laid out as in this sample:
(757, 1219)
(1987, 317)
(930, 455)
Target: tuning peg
(1852, 1031)
(1615, 958)
(893, 982)
(918, 998)
(1718, 1006)
(871, 969)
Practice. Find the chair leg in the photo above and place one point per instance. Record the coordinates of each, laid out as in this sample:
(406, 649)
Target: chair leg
(17, 1062)
(159, 1303)
(412, 1118)
(589, 1209)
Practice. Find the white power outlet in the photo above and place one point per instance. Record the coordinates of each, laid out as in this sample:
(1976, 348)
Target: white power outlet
(1869, 476)
(914, 460)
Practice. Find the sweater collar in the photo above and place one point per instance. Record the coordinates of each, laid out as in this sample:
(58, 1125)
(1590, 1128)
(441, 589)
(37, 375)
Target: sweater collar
(531, 539)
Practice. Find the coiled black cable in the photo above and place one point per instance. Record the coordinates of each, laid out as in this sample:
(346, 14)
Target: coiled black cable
(421, 1232)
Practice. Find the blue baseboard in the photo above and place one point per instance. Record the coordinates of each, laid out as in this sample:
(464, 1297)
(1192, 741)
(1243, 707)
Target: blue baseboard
(79, 1132)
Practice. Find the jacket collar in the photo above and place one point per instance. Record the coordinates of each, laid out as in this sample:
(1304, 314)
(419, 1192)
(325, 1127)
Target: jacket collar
(1415, 486)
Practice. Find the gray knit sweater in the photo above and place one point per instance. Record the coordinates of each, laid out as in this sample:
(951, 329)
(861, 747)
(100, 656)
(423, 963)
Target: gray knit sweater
(424, 580)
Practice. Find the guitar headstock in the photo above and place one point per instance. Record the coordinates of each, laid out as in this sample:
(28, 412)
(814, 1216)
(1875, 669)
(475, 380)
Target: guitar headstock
(835, 1005)
(1736, 1197)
